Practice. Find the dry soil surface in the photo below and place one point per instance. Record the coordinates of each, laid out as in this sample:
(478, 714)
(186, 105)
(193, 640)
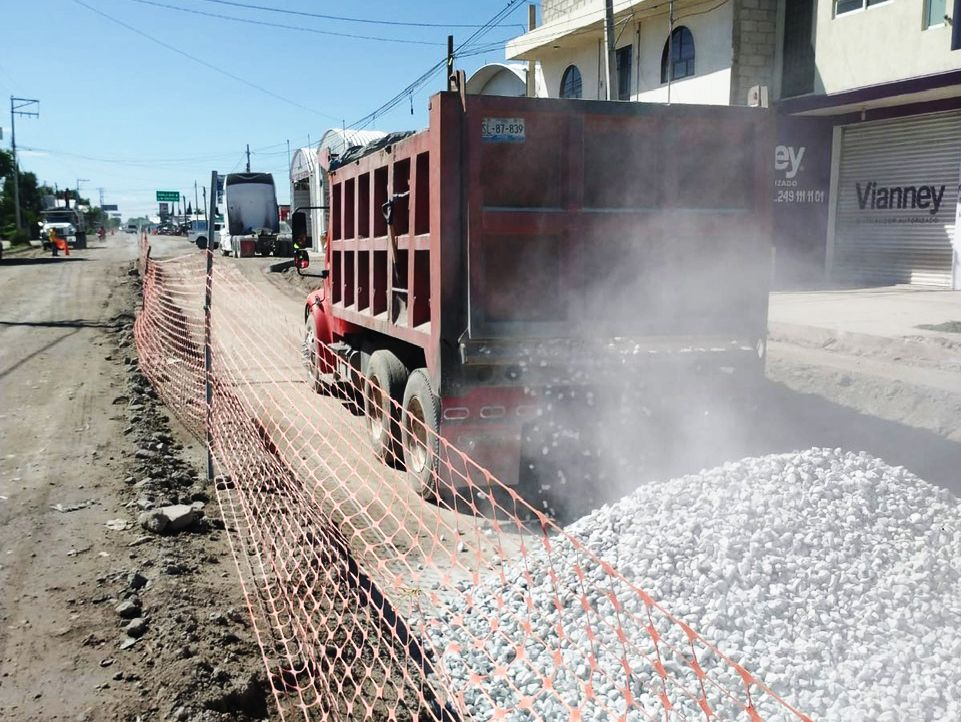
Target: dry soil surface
(100, 619)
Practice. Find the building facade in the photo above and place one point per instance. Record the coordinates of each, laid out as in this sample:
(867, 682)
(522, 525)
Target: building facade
(868, 96)
(884, 79)
(716, 52)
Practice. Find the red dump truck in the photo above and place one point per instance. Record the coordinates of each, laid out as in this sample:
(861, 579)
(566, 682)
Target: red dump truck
(518, 246)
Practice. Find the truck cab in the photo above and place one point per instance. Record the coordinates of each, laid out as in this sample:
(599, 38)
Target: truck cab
(67, 223)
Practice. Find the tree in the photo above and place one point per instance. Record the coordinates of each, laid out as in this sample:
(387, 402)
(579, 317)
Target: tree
(6, 163)
(31, 201)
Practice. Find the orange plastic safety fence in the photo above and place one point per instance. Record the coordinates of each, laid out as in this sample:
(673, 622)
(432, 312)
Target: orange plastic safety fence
(376, 595)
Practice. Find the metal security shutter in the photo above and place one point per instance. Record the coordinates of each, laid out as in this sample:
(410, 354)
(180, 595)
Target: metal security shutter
(906, 243)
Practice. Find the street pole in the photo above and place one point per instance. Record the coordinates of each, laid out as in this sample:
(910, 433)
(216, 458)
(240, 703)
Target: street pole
(611, 59)
(248, 157)
(670, 49)
(76, 201)
(16, 110)
(208, 359)
(531, 64)
(450, 62)
(196, 202)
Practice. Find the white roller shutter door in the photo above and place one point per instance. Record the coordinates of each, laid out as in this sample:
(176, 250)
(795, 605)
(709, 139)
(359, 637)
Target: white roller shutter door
(892, 174)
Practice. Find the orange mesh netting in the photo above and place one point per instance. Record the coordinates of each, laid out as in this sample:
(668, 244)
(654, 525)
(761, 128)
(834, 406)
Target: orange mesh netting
(370, 601)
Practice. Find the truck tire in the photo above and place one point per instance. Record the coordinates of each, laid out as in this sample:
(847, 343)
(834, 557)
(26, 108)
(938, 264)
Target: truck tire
(421, 434)
(310, 355)
(385, 382)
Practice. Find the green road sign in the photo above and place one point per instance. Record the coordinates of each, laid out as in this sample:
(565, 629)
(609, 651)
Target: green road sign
(168, 196)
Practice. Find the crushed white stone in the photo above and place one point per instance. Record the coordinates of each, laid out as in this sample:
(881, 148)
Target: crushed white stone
(833, 577)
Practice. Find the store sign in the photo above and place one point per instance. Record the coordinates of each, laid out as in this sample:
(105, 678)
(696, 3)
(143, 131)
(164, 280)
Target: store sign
(791, 183)
(802, 181)
(872, 196)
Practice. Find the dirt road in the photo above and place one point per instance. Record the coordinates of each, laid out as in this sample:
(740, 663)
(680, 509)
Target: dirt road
(70, 550)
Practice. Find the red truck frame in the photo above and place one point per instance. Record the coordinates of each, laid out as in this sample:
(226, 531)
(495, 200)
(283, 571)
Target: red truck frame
(521, 244)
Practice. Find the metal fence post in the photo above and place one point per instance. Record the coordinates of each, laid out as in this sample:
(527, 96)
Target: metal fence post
(208, 296)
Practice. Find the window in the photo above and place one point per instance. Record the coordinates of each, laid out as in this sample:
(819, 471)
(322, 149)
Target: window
(625, 57)
(571, 86)
(934, 12)
(956, 26)
(846, 6)
(680, 45)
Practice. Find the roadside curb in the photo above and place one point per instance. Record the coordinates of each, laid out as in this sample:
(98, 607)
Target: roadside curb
(923, 345)
(281, 266)
(820, 337)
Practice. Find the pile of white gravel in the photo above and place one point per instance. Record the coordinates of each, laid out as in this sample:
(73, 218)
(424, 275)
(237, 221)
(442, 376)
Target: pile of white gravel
(833, 577)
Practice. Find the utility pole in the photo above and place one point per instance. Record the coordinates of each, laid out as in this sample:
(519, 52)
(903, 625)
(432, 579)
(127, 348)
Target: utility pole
(531, 64)
(248, 157)
(76, 202)
(450, 62)
(196, 201)
(670, 48)
(610, 64)
(17, 107)
(288, 153)
(103, 215)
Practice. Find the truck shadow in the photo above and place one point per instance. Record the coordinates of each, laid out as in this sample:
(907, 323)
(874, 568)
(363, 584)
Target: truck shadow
(39, 260)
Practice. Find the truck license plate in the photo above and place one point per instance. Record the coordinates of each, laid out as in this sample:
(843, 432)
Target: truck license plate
(503, 130)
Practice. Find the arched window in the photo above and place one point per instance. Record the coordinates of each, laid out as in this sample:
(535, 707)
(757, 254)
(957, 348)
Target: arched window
(681, 48)
(571, 83)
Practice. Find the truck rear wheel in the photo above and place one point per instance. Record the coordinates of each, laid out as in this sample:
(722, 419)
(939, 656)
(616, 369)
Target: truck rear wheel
(311, 360)
(421, 435)
(385, 382)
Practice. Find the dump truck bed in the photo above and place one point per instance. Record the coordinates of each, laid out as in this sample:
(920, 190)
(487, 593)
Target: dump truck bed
(533, 221)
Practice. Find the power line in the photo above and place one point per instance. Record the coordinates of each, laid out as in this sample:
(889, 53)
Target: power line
(341, 17)
(150, 161)
(250, 21)
(210, 66)
(408, 91)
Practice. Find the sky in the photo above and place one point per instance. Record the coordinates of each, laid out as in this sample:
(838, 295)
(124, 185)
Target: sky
(124, 108)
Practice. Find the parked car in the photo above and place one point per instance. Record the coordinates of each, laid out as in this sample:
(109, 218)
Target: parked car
(198, 234)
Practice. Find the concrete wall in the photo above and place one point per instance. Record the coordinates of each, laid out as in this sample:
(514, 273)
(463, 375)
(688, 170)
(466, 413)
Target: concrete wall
(553, 9)
(881, 44)
(754, 41)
